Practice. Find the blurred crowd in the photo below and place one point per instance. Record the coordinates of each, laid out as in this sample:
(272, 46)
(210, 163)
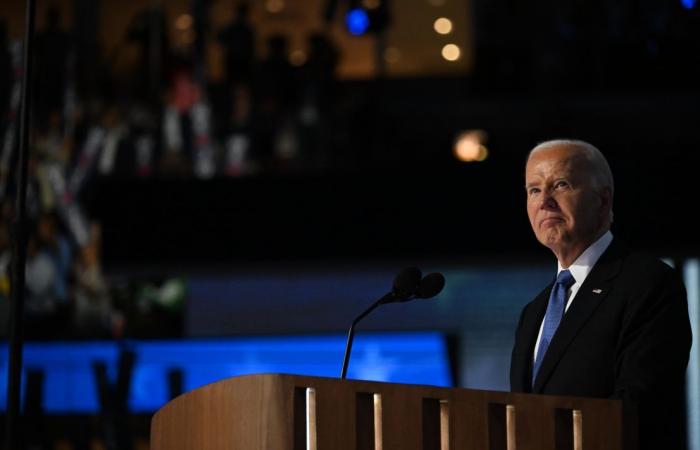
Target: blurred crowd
(67, 295)
(168, 117)
(165, 119)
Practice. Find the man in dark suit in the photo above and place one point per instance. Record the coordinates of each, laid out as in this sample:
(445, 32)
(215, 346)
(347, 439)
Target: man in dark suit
(615, 323)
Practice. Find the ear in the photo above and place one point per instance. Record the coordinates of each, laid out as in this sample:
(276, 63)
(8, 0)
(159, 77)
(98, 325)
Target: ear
(606, 200)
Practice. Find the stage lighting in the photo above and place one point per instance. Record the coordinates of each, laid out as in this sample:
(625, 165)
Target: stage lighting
(357, 21)
(367, 16)
(469, 146)
(184, 22)
(443, 25)
(451, 52)
(274, 6)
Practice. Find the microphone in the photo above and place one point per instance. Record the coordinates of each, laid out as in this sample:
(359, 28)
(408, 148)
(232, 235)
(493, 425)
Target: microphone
(408, 285)
(431, 285)
(405, 284)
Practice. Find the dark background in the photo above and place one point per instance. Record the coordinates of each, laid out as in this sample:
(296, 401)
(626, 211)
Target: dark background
(418, 200)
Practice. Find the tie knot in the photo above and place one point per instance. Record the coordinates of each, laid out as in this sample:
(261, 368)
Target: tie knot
(565, 279)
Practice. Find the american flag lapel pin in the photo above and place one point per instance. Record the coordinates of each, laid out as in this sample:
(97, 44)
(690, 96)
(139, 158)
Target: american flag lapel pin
(597, 291)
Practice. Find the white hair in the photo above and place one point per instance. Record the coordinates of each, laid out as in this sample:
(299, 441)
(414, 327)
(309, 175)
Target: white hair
(602, 174)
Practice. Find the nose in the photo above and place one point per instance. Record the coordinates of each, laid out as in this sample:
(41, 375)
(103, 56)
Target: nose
(548, 202)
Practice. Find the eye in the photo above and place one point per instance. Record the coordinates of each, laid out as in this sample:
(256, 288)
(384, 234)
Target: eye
(533, 191)
(561, 184)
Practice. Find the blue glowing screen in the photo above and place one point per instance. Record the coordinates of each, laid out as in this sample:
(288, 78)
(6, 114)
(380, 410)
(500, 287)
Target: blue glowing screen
(70, 386)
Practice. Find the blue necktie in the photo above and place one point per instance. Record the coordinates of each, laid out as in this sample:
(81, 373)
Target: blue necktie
(555, 311)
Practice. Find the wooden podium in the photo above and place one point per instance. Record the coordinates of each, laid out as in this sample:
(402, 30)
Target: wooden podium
(285, 412)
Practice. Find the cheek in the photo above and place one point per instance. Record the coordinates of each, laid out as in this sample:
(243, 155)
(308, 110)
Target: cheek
(531, 213)
(585, 213)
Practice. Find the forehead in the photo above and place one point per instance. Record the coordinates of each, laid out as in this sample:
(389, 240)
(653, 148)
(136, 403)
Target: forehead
(556, 161)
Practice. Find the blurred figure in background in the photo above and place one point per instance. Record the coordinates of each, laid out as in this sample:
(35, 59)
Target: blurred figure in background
(48, 263)
(55, 242)
(5, 76)
(317, 89)
(93, 315)
(9, 108)
(52, 50)
(238, 41)
(238, 140)
(148, 30)
(274, 94)
(143, 137)
(178, 135)
(5, 259)
(186, 124)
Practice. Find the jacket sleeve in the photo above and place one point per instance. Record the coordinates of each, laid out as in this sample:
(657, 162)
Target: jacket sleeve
(652, 356)
(655, 337)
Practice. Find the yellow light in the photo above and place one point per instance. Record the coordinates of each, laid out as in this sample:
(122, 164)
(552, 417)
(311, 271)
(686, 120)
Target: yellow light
(469, 146)
(451, 52)
(184, 22)
(297, 58)
(443, 25)
(274, 6)
(371, 4)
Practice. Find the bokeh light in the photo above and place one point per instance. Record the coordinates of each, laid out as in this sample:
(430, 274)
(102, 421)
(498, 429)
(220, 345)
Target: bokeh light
(443, 25)
(357, 21)
(451, 52)
(297, 58)
(184, 22)
(470, 146)
(274, 6)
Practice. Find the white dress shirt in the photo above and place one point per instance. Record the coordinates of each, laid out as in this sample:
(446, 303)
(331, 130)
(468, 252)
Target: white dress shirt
(579, 270)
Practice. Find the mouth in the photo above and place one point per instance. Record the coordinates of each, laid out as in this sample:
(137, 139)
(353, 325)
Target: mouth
(551, 221)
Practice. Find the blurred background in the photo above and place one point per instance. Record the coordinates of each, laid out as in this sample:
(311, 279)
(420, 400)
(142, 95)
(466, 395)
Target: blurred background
(219, 187)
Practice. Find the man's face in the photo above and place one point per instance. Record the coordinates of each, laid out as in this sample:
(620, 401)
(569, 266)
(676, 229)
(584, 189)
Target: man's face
(566, 212)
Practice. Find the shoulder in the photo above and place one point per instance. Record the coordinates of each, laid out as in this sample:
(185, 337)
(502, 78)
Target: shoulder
(646, 269)
(645, 281)
(636, 266)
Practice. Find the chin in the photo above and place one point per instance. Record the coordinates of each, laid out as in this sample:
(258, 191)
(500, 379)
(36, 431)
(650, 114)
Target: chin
(551, 239)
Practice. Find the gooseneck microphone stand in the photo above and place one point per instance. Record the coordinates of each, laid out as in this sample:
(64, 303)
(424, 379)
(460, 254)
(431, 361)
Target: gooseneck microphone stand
(351, 334)
(408, 285)
(19, 247)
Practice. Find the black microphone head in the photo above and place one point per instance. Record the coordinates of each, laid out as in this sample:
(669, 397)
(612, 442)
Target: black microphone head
(406, 283)
(430, 285)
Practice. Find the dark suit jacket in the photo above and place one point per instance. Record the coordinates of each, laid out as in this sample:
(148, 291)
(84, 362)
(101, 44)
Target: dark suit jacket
(626, 335)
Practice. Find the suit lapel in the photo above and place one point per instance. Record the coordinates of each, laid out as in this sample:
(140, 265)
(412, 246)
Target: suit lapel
(589, 297)
(529, 330)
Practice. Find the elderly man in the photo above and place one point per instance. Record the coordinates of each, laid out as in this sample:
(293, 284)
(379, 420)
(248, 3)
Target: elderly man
(614, 323)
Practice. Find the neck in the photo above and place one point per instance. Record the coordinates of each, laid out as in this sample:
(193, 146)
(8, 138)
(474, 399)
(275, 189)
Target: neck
(566, 255)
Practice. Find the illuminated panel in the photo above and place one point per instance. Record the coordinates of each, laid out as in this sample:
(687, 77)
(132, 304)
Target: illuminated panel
(70, 386)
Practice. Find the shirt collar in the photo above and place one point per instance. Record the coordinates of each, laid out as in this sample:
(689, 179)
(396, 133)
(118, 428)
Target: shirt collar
(585, 262)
